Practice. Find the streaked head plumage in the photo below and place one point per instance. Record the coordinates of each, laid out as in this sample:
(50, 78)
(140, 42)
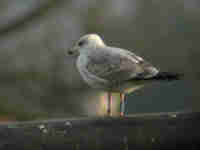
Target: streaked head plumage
(86, 42)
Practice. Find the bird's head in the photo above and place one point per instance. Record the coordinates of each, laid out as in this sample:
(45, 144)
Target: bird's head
(86, 43)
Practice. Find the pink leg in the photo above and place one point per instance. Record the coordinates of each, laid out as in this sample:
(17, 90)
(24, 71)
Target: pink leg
(122, 104)
(109, 111)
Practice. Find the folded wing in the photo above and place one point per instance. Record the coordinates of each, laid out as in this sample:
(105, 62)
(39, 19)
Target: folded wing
(115, 64)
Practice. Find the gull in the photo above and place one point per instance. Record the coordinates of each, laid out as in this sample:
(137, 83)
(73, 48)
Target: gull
(114, 70)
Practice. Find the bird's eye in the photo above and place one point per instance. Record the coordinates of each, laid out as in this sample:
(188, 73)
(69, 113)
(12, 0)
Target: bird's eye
(81, 43)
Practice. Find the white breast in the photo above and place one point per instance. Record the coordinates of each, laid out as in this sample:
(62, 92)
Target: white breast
(89, 78)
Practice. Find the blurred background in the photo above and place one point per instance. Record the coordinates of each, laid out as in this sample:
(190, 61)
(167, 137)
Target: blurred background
(38, 80)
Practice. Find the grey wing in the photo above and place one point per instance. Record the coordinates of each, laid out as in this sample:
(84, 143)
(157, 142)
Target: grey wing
(115, 64)
(148, 69)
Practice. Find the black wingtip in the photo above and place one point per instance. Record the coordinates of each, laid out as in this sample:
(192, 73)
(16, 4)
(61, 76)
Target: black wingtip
(168, 76)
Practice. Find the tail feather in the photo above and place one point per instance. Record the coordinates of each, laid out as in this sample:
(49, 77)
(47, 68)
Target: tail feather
(166, 76)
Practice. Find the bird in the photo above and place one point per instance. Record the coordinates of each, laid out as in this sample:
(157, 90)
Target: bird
(114, 70)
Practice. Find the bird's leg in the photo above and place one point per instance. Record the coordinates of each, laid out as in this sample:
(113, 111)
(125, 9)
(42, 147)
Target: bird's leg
(122, 104)
(109, 111)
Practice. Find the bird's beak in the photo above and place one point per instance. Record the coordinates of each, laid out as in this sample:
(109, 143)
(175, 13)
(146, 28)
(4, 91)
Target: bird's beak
(73, 51)
(70, 52)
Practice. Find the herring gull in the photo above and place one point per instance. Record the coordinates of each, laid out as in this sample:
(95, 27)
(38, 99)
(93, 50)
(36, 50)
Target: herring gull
(114, 69)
